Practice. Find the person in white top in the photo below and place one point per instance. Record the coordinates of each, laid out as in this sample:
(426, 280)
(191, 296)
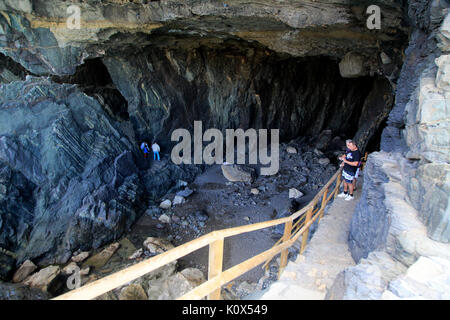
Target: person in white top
(156, 149)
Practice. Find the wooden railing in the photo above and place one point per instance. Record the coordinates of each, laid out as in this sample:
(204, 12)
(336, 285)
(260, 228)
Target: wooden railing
(296, 225)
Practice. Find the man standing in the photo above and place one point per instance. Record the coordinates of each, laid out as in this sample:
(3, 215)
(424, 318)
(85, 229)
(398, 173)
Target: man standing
(155, 148)
(350, 160)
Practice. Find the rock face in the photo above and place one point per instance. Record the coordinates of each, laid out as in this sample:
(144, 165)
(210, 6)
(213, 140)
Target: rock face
(403, 215)
(191, 48)
(69, 177)
(75, 169)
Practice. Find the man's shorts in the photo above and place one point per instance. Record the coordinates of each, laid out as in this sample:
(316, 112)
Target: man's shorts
(347, 176)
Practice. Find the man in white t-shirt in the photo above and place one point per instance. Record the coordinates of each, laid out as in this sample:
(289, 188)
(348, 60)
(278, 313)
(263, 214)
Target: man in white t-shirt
(155, 149)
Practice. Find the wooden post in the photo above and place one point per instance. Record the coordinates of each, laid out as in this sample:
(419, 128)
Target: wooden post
(215, 265)
(285, 252)
(305, 234)
(338, 184)
(322, 206)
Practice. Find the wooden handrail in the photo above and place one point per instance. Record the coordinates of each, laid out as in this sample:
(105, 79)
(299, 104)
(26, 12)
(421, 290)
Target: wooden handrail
(215, 239)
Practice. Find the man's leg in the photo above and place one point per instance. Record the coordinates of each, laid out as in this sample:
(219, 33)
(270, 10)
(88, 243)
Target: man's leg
(350, 185)
(157, 153)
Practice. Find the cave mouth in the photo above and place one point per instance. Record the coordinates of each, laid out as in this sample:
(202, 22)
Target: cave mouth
(94, 79)
(240, 85)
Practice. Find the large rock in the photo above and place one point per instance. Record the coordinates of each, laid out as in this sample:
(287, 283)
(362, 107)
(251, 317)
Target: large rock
(176, 285)
(166, 204)
(43, 279)
(294, 193)
(100, 259)
(157, 245)
(133, 292)
(81, 256)
(236, 173)
(367, 280)
(352, 66)
(24, 271)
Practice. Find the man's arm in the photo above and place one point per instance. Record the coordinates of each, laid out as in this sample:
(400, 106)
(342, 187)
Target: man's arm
(352, 163)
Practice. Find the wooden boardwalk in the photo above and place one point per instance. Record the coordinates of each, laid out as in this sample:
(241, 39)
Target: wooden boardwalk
(327, 254)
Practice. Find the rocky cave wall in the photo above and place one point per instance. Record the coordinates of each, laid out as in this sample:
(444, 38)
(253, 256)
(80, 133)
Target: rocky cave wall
(400, 230)
(69, 132)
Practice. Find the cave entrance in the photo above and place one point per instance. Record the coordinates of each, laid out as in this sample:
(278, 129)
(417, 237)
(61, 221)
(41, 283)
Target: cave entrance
(239, 85)
(94, 79)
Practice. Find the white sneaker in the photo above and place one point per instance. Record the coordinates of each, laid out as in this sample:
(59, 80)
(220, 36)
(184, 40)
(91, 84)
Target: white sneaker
(342, 195)
(348, 197)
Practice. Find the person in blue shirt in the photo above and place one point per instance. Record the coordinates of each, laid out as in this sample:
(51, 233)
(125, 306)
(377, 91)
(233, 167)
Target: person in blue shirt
(145, 149)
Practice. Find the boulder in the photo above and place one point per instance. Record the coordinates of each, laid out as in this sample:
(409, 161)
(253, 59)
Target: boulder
(385, 58)
(81, 257)
(291, 150)
(133, 292)
(157, 245)
(178, 200)
(43, 278)
(185, 193)
(352, 66)
(176, 285)
(324, 161)
(166, 204)
(254, 191)
(24, 271)
(100, 259)
(236, 173)
(294, 193)
(164, 218)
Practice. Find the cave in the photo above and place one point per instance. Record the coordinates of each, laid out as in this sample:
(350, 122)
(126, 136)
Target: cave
(93, 78)
(240, 85)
